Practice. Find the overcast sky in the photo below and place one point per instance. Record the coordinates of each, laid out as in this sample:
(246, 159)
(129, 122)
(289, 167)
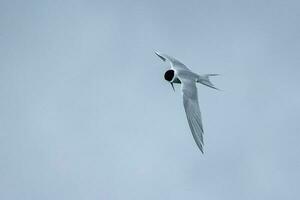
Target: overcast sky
(86, 114)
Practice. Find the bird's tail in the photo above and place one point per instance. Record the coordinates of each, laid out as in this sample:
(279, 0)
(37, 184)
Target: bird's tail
(204, 79)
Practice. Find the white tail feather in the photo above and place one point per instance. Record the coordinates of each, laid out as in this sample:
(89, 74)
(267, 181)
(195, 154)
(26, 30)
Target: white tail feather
(204, 79)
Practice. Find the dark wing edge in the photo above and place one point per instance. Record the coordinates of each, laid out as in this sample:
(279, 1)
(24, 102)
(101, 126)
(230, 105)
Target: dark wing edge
(176, 64)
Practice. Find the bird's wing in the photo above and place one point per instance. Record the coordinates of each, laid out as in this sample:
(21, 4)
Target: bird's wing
(192, 110)
(175, 64)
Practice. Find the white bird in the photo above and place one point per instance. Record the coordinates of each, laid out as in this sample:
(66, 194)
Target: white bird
(181, 74)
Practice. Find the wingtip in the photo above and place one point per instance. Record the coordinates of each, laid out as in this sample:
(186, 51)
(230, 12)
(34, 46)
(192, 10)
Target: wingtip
(202, 151)
(159, 55)
(201, 147)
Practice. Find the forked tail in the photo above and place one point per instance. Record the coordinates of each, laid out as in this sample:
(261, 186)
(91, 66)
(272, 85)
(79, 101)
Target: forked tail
(204, 79)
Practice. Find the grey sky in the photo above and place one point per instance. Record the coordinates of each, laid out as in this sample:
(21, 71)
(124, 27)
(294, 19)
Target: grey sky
(85, 112)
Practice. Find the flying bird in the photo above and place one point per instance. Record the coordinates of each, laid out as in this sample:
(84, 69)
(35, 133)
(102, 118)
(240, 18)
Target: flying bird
(181, 74)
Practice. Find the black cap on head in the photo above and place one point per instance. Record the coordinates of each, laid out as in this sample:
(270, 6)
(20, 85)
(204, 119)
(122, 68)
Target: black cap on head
(169, 75)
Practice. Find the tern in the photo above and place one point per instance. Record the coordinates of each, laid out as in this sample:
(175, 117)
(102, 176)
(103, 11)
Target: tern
(181, 74)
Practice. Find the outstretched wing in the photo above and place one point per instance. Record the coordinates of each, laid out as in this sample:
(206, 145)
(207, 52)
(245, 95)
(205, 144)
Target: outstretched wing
(175, 64)
(192, 110)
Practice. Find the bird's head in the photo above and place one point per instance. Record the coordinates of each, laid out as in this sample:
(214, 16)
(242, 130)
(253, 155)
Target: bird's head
(171, 77)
